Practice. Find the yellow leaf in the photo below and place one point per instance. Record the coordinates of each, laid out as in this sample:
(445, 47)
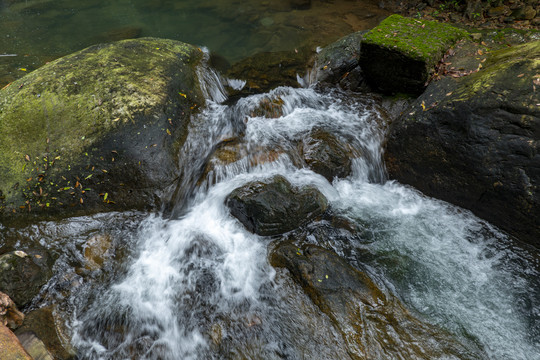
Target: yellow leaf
(168, 132)
(106, 196)
(423, 105)
(22, 69)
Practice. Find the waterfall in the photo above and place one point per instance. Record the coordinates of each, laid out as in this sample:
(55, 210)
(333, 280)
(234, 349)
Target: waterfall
(198, 285)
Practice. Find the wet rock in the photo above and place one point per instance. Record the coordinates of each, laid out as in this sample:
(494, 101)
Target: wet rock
(41, 323)
(338, 63)
(97, 130)
(476, 145)
(370, 321)
(22, 274)
(10, 346)
(34, 346)
(400, 54)
(497, 11)
(274, 206)
(9, 314)
(325, 154)
(524, 13)
(266, 71)
(96, 251)
(474, 10)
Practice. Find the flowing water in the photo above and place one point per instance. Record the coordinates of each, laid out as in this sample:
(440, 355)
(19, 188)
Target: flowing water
(198, 285)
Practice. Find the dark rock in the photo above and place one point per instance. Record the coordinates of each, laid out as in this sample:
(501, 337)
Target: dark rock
(338, 63)
(400, 54)
(106, 120)
(524, 13)
(474, 10)
(274, 206)
(497, 11)
(22, 274)
(367, 318)
(9, 314)
(325, 154)
(11, 347)
(476, 144)
(41, 323)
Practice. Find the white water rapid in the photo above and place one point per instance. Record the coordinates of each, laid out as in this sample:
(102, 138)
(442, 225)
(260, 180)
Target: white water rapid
(198, 285)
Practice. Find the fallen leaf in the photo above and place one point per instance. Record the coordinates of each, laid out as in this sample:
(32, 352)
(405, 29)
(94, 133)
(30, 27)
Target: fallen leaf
(27, 157)
(520, 75)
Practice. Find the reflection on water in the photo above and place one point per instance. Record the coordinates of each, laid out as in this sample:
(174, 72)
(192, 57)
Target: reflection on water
(37, 31)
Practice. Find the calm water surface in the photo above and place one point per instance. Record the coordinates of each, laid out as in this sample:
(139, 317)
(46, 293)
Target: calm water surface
(33, 32)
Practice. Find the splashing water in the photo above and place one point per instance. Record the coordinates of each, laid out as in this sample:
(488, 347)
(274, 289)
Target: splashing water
(198, 285)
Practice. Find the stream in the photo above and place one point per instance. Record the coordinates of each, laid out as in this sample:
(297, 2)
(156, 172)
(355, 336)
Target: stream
(195, 284)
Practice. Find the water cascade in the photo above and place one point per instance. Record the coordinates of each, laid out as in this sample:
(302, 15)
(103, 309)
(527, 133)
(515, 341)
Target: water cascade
(195, 284)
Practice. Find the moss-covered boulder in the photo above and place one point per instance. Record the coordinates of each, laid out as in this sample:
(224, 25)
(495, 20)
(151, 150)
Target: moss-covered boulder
(97, 130)
(400, 54)
(474, 141)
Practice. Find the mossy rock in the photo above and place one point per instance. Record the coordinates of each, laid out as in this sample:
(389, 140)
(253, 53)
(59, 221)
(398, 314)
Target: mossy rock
(400, 54)
(474, 141)
(97, 130)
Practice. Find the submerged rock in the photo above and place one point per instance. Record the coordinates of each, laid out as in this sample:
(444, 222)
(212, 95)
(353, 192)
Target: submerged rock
(22, 274)
(325, 154)
(400, 54)
(274, 206)
(373, 324)
(474, 141)
(97, 130)
(266, 71)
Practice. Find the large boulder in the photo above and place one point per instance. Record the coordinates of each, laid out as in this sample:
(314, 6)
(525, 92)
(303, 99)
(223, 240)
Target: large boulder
(274, 206)
(400, 54)
(97, 130)
(370, 321)
(474, 141)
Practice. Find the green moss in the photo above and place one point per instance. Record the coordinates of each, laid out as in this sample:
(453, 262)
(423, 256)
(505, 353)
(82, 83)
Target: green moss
(51, 119)
(419, 39)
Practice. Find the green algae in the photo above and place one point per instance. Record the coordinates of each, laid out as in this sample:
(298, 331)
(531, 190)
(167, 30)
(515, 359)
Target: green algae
(419, 39)
(56, 121)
